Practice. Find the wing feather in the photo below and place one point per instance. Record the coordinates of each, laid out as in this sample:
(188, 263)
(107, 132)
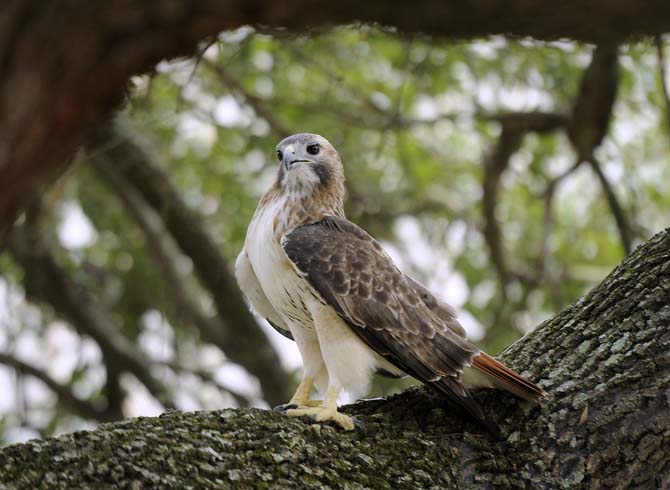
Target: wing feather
(392, 313)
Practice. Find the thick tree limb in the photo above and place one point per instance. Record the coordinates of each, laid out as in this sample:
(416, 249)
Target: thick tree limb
(606, 424)
(592, 109)
(244, 340)
(48, 101)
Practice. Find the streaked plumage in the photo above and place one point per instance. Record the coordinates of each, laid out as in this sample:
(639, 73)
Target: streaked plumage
(329, 285)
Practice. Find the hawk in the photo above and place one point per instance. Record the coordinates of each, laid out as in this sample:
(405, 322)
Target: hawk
(326, 283)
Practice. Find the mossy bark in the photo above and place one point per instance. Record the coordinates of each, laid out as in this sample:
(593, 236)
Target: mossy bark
(605, 362)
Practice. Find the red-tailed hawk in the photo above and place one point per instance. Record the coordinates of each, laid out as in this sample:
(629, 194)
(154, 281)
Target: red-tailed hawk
(326, 283)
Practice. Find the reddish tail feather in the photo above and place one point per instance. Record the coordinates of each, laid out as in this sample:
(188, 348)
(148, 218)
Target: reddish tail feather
(505, 378)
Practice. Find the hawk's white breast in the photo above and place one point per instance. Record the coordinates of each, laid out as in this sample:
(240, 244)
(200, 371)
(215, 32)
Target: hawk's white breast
(282, 285)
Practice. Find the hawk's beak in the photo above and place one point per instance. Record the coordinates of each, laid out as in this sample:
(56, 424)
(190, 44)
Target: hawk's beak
(289, 163)
(290, 158)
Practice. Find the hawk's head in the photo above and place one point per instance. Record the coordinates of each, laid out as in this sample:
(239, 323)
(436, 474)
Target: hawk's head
(308, 164)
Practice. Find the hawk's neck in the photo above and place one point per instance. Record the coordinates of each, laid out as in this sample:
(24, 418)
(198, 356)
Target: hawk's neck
(290, 212)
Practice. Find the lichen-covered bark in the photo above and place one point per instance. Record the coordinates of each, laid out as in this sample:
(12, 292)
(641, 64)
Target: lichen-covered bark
(605, 362)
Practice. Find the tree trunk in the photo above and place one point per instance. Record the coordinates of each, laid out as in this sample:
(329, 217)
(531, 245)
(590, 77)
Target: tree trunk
(64, 65)
(605, 424)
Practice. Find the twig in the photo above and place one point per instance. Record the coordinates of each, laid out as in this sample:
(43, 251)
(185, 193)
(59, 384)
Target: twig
(337, 80)
(547, 221)
(197, 58)
(514, 127)
(545, 267)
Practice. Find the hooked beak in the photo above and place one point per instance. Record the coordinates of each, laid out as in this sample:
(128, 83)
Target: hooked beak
(290, 158)
(288, 164)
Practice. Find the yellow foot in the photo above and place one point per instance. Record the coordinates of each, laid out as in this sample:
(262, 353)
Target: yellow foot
(310, 403)
(323, 414)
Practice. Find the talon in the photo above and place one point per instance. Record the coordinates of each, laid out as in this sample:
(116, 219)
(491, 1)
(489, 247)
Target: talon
(293, 404)
(360, 426)
(285, 407)
(344, 421)
(323, 411)
(321, 414)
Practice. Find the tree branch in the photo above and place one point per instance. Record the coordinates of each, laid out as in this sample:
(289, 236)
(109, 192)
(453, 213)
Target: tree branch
(46, 281)
(589, 122)
(592, 110)
(620, 217)
(207, 377)
(185, 307)
(514, 126)
(604, 362)
(66, 397)
(508, 143)
(547, 273)
(95, 47)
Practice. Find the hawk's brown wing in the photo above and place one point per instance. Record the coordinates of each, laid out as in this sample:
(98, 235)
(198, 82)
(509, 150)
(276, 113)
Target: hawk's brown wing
(353, 274)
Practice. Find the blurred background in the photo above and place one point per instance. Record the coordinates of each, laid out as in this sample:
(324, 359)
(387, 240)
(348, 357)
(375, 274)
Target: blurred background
(509, 177)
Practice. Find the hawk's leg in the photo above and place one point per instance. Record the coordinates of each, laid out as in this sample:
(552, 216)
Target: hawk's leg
(326, 412)
(301, 396)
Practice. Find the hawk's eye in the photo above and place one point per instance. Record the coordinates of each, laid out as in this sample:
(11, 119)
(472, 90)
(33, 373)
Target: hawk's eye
(280, 155)
(313, 149)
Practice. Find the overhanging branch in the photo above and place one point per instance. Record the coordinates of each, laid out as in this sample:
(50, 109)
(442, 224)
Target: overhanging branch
(48, 102)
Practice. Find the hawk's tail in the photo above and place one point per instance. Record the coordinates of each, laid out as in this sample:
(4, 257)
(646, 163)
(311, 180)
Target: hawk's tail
(503, 377)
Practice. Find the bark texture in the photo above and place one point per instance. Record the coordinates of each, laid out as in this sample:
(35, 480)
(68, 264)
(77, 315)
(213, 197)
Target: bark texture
(606, 424)
(64, 65)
